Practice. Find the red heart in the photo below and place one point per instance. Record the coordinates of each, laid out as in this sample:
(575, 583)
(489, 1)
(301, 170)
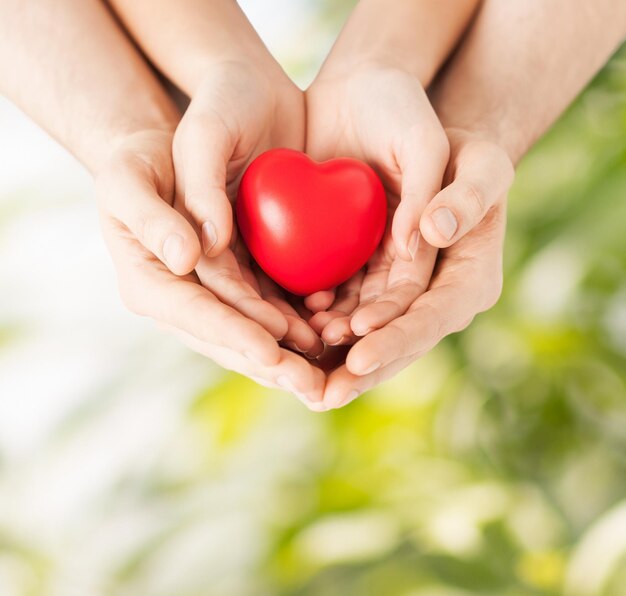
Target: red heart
(309, 225)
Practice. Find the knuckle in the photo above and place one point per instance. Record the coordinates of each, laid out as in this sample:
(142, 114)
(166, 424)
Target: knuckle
(152, 230)
(437, 329)
(226, 277)
(504, 165)
(402, 338)
(143, 227)
(474, 200)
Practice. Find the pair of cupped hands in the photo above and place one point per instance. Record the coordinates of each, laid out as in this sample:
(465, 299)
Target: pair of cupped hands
(166, 198)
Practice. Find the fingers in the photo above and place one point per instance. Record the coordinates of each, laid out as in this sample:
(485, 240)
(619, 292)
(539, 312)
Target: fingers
(334, 324)
(320, 300)
(292, 373)
(194, 310)
(423, 163)
(445, 309)
(299, 337)
(407, 336)
(203, 147)
(128, 194)
(148, 289)
(343, 387)
(468, 281)
(407, 280)
(222, 276)
(483, 174)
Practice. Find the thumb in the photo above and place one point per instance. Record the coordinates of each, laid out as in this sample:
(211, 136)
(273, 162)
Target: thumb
(204, 148)
(133, 200)
(422, 164)
(483, 175)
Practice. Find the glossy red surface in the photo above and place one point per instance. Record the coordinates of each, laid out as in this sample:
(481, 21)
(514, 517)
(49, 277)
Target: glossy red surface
(309, 225)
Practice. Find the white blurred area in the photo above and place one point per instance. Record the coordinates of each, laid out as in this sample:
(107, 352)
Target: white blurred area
(86, 389)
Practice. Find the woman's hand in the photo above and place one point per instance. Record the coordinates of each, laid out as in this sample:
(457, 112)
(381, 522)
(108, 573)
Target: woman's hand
(236, 113)
(381, 115)
(135, 192)
(467, 278)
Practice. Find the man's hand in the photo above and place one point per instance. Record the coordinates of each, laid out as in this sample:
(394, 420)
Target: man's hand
(467, 278)
(493, 112)
(242, 103)
(136, 191)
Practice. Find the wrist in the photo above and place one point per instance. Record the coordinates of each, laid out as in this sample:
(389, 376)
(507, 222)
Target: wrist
(510, 140)
(368, 69)
(251, 75)
(342, 66)
(103, 145)
(254, 61)
(415, 36)
(461, 110)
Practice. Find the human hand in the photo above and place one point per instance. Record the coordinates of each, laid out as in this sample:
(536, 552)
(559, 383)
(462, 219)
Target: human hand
(382, 116)
(467, 278)
(237, 111)
(143, 232)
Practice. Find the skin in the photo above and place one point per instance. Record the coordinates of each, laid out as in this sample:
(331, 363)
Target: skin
(127, 145)
(218, 137)
(242, 104)
(368, 101)
(522, 102)
(180, 212)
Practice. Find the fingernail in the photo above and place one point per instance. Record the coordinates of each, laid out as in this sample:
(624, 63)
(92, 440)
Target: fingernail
(293, 346)
(445, 222)
(361, 332)
(414, 242)
(209, 236)
(372, 368)
(337, 342)
(173, 249)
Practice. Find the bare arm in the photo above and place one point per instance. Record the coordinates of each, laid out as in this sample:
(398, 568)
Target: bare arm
(414, 36)
(184, 38)
(70, 67)
(523, 62)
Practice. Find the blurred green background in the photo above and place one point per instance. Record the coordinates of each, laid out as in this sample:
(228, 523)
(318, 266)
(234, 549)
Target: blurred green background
(494, 465)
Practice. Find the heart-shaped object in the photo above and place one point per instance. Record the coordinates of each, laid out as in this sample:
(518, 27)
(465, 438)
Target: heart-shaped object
(309, 225)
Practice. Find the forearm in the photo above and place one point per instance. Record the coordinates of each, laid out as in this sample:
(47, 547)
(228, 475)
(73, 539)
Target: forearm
(523, 62)
(183, 38)
(416, 36)
(70, 67)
